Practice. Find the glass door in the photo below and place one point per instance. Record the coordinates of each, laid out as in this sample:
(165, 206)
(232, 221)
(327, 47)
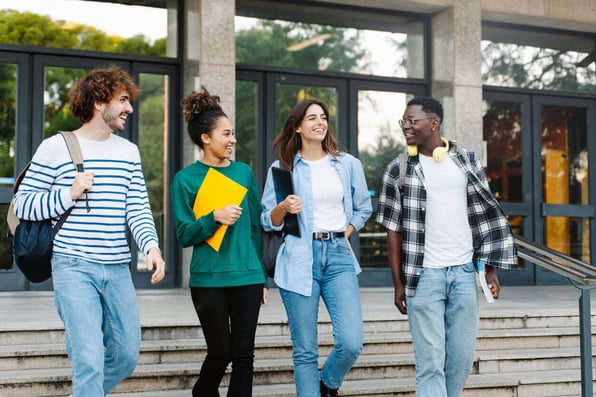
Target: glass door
(507, 136)
(538, 155)
(564, 150)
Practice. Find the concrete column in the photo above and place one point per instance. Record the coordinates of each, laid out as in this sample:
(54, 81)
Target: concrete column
(415, 47)
(456, 71)
(209, 60)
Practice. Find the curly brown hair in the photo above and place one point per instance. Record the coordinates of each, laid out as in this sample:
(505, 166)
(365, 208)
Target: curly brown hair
(201, 111)
(288, 142)
(101, 85)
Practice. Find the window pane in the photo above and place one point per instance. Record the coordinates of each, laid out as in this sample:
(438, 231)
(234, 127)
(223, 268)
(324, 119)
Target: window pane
(153, 138)
(380, 139)
(537, 60)
(564, 155)
(8, 103)
(57, 82)
(502, 132)
(570, 236)
(332, 48)
(246, 123)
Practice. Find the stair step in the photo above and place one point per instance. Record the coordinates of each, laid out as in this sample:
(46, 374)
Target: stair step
(520, 360)
(552, 383)
(54, 333)
(490, 342)
(369, 367)
(486, 386)
(526, 347)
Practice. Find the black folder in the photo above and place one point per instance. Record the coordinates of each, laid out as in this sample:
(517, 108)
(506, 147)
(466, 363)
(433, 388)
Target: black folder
(284, 186)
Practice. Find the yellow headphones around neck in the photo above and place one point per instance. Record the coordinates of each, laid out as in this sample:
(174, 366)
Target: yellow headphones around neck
(438, 153)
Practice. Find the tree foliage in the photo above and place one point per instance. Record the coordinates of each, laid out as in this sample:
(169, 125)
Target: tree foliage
(31, 29)
(513, 65)
(281, 43)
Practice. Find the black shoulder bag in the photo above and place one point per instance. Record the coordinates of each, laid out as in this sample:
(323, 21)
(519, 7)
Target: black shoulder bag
(33, 241)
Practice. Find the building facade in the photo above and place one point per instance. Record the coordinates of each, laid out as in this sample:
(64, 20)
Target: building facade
(516, 78)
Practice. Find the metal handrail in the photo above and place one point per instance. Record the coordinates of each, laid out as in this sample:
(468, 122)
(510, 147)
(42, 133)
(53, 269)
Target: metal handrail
(582, 275)
(556, 261)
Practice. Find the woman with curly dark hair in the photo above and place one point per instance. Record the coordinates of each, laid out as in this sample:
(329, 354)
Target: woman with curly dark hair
(227, 277)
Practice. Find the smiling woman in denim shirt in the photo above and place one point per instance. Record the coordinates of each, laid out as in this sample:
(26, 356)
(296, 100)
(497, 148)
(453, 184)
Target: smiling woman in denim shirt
(332, 201)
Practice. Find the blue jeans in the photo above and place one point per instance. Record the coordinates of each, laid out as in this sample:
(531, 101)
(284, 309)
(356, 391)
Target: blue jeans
(443, 317)
(334, 279)
(98, 306)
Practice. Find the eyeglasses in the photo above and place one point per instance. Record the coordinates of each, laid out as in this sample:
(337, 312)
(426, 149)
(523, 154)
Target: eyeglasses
(411, 122)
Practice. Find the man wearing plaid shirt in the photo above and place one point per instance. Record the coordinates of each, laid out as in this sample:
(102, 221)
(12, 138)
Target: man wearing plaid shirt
(441, 219)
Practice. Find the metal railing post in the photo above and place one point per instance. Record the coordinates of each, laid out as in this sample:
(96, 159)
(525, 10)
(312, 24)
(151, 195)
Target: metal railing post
(581, 275)
(585, 334)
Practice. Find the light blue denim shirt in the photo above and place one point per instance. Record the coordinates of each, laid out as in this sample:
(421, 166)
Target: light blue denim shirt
(293, 269)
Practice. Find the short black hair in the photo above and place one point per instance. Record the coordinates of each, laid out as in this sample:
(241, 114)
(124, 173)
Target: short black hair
(429, 105)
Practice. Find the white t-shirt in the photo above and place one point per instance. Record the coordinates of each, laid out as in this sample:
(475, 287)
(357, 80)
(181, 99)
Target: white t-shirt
(448, 236)
(327, 190)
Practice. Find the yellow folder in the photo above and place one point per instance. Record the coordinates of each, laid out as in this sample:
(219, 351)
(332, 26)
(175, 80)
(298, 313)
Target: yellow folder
(217, 191)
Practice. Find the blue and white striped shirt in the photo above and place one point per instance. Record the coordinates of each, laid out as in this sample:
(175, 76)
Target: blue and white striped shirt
(117, 199)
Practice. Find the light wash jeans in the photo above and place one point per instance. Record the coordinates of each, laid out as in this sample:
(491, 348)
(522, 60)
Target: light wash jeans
(334, 279)
(98, 306)
(443, 317)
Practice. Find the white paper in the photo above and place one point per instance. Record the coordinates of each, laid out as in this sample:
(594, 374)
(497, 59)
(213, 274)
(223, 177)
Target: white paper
(482, 278)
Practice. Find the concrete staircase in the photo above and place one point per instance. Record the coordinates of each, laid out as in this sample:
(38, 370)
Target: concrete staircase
(524, 355)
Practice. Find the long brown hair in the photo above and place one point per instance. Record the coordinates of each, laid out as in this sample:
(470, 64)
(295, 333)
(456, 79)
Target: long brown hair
(288, 142)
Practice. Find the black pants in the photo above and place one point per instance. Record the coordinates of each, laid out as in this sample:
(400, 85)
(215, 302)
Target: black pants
(228, 317)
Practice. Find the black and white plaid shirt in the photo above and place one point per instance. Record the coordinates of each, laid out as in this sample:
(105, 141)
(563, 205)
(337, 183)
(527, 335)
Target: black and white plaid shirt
(492, 237)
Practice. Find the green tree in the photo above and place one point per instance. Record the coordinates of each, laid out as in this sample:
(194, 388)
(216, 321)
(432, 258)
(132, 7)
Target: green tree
(31, 29)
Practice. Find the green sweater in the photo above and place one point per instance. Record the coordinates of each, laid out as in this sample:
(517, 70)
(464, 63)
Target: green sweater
(238, 260)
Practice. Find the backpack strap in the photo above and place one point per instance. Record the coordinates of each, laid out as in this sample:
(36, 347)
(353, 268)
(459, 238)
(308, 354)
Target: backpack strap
(74, 149)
